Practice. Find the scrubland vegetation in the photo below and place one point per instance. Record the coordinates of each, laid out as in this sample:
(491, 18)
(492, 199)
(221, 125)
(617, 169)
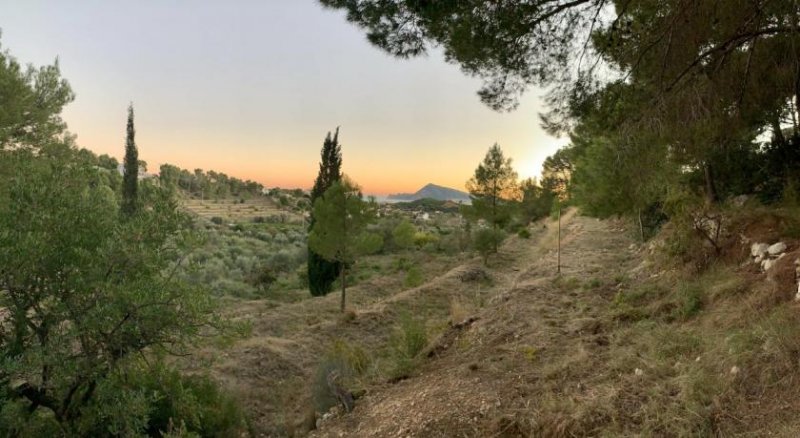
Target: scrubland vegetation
(198, 304)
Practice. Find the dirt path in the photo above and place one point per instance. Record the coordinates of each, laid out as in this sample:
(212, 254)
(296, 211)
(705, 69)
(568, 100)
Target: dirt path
(537, 338)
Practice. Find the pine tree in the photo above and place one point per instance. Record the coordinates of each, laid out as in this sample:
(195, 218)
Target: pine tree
(491, 188)
(340, 231)
(130, 177)
(321, 272)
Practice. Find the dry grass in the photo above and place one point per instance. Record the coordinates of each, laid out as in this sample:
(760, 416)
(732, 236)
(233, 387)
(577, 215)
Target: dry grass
(605, 349)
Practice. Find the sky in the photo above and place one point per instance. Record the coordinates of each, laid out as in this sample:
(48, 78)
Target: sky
(250, 88)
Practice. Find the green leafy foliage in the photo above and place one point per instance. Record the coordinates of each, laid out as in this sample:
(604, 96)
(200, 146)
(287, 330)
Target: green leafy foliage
(413, 277)
(207, 184)
(32, 99)
(492, 188)
(85, 292)
(322, 272)
(486, 241)
(407, 342)
(339, 233)
(536, 201)
(349, 361)
(130, 177)
(403, 235)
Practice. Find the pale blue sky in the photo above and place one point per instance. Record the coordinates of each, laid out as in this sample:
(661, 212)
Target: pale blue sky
(251, 87)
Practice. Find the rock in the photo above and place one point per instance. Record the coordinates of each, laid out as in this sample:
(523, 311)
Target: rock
(767, 264)
(638, 372)
(797, 295)
(735, 370)
(776, 248)
(740, 200)
(632, 247)
(758, 249)
(758, 260)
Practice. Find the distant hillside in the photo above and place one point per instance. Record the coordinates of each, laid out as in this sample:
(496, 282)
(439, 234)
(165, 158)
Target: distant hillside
(428, 205)
(432, 191)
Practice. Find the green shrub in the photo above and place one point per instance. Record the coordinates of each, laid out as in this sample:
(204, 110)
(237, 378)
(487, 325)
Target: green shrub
(423, 239)
(139, 400)
(690, 300)
(413, 277)
(403, 235)
(302, 277)
(196, 402)
(406, 343)
(348, 361)
(486, 241)
(524, 233)
(402, 264)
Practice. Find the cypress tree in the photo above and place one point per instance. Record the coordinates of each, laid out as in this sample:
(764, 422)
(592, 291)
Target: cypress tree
(322, 273)
(130, 176)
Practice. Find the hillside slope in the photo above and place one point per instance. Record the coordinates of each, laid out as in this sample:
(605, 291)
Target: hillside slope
(617, 345)
(535, 327)
(612, 347)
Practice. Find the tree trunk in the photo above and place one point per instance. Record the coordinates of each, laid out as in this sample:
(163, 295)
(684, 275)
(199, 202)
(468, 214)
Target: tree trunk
(558, 263)
(777, 133)
(641, 225)
(711, 190)
(796, 99)
(494, 223)
(344, 284)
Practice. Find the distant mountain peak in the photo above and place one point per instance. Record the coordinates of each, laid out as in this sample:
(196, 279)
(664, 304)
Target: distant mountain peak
(432, 191)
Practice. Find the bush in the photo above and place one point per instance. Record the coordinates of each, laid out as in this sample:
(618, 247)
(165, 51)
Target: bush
(217, 220)
(524, 233)
(141, 400)
(486, 241)
(404, 235)
(406, 343)
(422, 239)
(195, 402)
(349, 361)
(402, 264)
(302, 277)
(413, 277)
(262, 278)
(690, 300)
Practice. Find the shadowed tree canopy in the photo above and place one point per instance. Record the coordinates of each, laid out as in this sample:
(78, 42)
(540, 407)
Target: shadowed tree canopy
(321, 272)
(339, 233)
(492, 189)
(744, 47)
(509, 44)
(130, 177)
(330, 165)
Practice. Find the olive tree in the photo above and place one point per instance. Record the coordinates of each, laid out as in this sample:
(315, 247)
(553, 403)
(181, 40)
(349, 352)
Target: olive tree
(83, 295)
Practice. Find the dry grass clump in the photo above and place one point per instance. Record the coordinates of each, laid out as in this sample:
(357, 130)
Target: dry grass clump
(349, 362)
(459, 311)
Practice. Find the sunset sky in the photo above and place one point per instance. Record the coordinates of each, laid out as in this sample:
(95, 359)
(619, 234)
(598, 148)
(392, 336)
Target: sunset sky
(250, 88)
